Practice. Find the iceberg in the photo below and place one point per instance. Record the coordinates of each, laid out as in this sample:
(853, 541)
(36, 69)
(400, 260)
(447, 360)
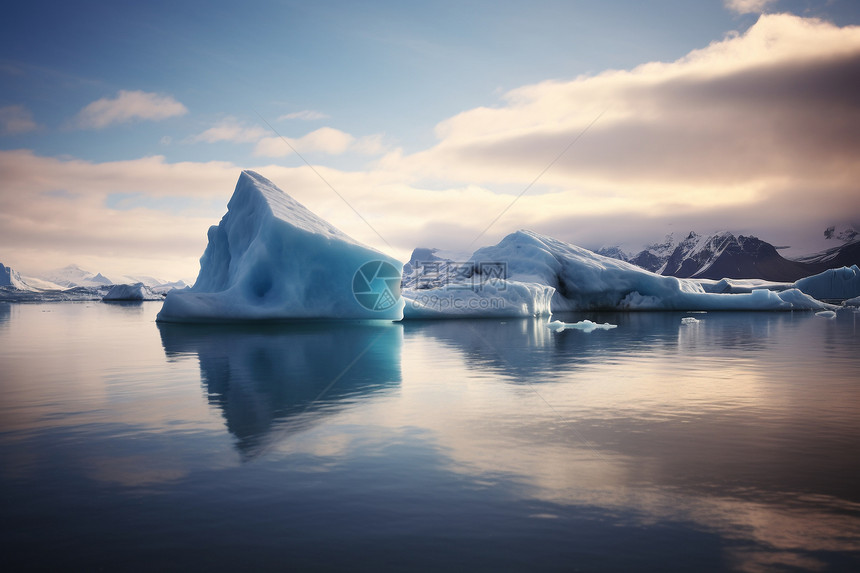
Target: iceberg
(270, 258)
(832, 284)
(493, 298)
(137, 291)
(576, 279)
(583, 325)
(10, 278)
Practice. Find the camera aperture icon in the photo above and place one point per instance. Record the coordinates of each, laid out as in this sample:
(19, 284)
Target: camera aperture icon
(376, 285)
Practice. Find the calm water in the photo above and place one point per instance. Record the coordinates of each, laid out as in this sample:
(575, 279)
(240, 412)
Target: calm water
(732, 443)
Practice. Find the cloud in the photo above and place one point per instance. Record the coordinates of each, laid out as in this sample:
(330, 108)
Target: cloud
(128, 106)
(231, 129)
(730, 124)
(758, 133)
(325, 140)
(305, 115)
(748, 6)
(370, 145)
(54, 212)
(16, 119)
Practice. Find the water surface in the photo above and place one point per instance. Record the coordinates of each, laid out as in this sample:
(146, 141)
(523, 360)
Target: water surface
(493, 445)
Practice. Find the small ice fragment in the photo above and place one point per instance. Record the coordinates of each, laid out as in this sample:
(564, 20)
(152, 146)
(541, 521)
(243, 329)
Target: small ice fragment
(826, 314)
(583, 325)
(689, 320)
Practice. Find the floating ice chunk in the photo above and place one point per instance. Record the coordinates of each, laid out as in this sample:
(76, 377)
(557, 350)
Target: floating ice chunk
(137, 291)
(583, 325)
(852, 301)
(826, 314)
(689, 320)
(842, 283)
(271, 258)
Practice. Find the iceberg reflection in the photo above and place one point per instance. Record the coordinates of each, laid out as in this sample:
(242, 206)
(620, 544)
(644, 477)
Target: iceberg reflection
(5, 313)
(268, 379)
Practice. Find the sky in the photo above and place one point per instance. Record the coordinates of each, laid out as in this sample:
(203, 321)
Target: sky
(124, 126)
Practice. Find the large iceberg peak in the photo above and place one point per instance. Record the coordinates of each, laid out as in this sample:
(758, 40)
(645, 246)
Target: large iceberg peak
(272, 258)
(255, 191)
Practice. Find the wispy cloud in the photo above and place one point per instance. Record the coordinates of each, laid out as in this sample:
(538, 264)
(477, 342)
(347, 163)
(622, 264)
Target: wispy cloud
(128, 106)
(748, 6)
(16, 119)
(325, 140)
(231, 129)
(305, 115)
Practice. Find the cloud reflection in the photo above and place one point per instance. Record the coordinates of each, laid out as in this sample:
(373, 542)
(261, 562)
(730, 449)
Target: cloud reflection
(730, 425)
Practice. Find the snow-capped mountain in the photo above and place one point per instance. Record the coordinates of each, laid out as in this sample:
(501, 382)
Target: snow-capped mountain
(74, 283)
(654, 256)
(12, 279)
(724, 255)
(845, 234)
(613, 252)
(840, 256)
(74, 276)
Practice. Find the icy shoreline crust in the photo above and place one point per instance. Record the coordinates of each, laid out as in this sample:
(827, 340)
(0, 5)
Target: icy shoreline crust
(270, 258)
(576, 279)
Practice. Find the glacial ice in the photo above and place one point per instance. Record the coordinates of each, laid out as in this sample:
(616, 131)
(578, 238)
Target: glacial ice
(835, 284)
(494, 298)
(137, 291)
(583, 325)
(582, 280)
(10, 278)
(270, 258)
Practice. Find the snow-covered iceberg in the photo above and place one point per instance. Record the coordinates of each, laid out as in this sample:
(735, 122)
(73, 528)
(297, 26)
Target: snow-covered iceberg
(579, 280)
(833, 284)
(137, 291)
(271, 258)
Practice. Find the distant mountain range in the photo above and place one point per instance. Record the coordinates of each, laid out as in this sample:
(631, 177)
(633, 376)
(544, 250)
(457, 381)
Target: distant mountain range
(724, 255)
(74, 276)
